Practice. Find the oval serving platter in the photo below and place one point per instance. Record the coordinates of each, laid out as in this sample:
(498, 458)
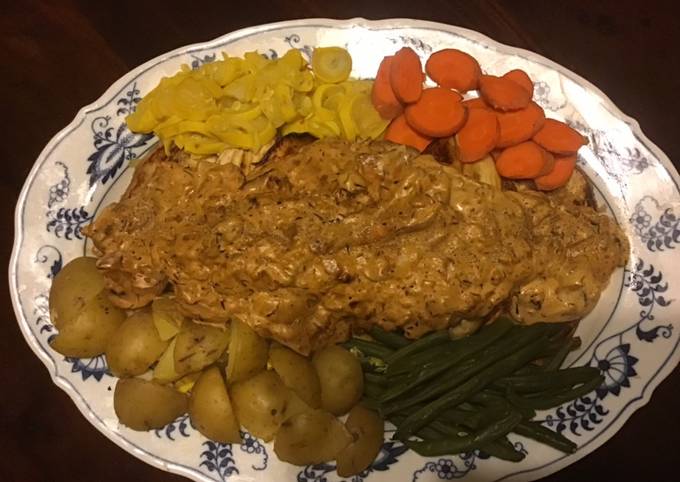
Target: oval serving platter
(630, 336)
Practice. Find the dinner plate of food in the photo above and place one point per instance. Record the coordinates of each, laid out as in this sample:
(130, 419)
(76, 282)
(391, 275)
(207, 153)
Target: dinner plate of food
(352, 250)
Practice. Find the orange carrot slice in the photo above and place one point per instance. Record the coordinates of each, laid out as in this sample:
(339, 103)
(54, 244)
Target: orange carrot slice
(549, 165)
(523, 161)
(478, 136)
(400, 132)
(476, 103)
(382, 95)
(558, 137)
(454, 69)
(503, 94)
(519, 125)
(559, 175)
(522, 78)
(406, 75)
(438, 113)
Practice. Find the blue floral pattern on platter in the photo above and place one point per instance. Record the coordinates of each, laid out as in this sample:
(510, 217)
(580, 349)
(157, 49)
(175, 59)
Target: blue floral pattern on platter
(81, 170)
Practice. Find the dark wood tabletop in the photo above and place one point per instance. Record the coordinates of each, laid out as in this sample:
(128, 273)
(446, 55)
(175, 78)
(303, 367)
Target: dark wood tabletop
(60, 55)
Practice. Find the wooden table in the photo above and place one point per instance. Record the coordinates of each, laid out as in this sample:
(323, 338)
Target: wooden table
(58, 56)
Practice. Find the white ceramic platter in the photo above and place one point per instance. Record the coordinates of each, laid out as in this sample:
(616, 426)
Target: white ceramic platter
(630, 336)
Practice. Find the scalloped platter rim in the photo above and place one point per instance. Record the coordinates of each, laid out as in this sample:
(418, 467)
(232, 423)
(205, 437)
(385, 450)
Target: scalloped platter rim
(630, 335)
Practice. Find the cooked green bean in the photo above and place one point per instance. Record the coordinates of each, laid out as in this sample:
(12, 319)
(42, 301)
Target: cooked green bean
(487, 357)
(557, 360)
(369, 348)
(473, 385)
(461, 444)
(543, 381)
(428, 341)
(546, 401)
(387, 338)
(538, 432)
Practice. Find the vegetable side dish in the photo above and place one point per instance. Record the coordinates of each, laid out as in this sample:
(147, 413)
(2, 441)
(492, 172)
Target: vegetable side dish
(448, 244)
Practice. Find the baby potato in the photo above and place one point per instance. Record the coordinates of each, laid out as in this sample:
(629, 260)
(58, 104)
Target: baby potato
(87, 334)
(247, 352)
(297, 373)
(76, 283)
(166, 317)
(260, 403)
(210, 408)
(145, 405)
(341, 377)
(134, 346)
(311, 438)
(164, 371)
(198, 346)
(368, 434)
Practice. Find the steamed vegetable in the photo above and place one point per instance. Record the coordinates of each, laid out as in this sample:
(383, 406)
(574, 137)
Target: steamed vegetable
(74, 285)
(145, 405)
(406, 75)
(520, 77)
(437, 113)
(502, 93)
(210, 408)
(341, 379)
(557, 137)
(523, 161)
(87, 334)
(453, 69)
(134, 346)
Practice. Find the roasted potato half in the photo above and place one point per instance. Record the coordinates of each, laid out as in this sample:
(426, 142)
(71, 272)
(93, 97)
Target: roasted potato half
(134, 346)
(76, 283)
(145, 405)
(341, 377)
(297, 373)
(210, 408)
(311, 438)
(87, 334)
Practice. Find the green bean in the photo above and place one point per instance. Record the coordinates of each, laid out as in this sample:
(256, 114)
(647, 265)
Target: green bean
(545, 401)
(376, 379)
(460, 444)
(487, 357)
(405, 365)
(389, 339)
(543, 381)
(372, 390)
(503, 449)
(369, 348)
(424, 343)
(538, 432)
(463, 392)
(555, 362)
(370, 403)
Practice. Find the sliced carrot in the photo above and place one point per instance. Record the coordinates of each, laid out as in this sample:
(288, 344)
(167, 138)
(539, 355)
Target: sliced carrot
(503, 94)
(523, 161)
(559, 175)
(558, 137)
(519, 125)
(400, 132)
(382, 95)
(476, 103)
(438, 113)
(522, 78)
(454, 69)
(478, 136)
(549, 164)
(406, 75)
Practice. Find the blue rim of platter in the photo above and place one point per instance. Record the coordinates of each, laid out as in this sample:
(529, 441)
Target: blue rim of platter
(619, 161)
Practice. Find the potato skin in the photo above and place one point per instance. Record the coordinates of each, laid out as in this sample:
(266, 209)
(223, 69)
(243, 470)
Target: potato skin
(74, 285)
(311, 438)
(89, 332)
(145, 405)
(341, 378)
(260, 403)
(134, 346)
(368, 436)
(210, 408)
(297, 373)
